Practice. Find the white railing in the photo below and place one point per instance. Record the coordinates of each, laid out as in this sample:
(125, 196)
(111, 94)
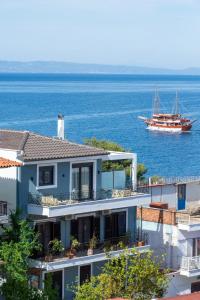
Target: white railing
(167, 180)
(190, 263)
(187, 219)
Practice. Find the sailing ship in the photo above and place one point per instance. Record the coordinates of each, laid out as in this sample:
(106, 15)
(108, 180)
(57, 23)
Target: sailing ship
(174, 122)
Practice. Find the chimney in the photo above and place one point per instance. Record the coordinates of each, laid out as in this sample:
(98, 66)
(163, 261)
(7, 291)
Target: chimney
(61, 127)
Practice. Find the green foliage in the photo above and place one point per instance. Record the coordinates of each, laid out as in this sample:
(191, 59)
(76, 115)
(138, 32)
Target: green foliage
(49, 293)
(156, 179)
(137, 276)
(110, 146)
(19, 246)
(19, 243)
(116, 165)
(74, 243)
(141, 171)
(56, 246)
(93, 242)
(104, 144)
(12, 232)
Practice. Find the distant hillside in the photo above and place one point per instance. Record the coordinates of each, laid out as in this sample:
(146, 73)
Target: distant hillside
(65, 67)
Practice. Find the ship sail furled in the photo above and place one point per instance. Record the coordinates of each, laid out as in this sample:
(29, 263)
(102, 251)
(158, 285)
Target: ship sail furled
(175, 109)
(156, 103)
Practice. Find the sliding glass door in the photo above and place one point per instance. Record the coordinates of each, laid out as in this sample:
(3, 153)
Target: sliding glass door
(82, 185)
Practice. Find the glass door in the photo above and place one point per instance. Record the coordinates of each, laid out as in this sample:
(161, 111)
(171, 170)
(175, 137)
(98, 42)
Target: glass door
(82, 184)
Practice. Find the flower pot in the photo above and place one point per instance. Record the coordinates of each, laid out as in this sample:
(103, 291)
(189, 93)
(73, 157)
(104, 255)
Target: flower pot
(71, 253)
(90, 251)
(141, 243)
(48, 258)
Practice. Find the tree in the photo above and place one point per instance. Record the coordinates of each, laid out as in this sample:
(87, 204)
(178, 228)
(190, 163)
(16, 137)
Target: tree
(141, 171)
(17, 245)
(137, 276)
(118, 165)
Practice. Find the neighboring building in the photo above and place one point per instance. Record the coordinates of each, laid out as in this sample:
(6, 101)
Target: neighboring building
(178, 192)
(176, 234)
(6, 165)
(62, 188)
(195, 296)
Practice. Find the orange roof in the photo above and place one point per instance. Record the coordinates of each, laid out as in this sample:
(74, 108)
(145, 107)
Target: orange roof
(194, 296)
(7, 163)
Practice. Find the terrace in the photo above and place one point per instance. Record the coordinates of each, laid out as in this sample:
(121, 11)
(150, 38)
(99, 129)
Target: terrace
(81, 255)
(190, 266)
(188, 220)
(54, 205)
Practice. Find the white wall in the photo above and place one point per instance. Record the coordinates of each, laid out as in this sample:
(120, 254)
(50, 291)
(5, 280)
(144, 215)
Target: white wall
(166, 193)
(8, 182)
(170, 241)
(8, 186)
(193, 193)
(179, 285)
(10, 154)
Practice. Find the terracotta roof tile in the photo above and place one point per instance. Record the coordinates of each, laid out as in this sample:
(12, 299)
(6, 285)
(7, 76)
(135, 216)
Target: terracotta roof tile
(193, 296)
(38, 147)
(7, 163)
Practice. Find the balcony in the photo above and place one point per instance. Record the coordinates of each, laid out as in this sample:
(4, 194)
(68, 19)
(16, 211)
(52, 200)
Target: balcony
(3, 212)
(187, 222)
(81, 256)
(190, 266)
(55, 205)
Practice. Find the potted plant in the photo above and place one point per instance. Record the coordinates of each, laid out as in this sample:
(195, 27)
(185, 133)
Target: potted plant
(140, 243)
(56, 247)
(92, 245)
(107, 246)
(74, 246)
(48, 257)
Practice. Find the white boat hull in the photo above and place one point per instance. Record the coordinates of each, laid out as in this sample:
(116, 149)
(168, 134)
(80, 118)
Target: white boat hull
(156, 128)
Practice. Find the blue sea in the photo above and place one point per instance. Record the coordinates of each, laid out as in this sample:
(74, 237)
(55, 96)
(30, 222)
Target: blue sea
(107, 107)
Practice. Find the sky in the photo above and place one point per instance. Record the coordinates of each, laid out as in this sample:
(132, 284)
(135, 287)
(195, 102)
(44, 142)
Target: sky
(152, 33)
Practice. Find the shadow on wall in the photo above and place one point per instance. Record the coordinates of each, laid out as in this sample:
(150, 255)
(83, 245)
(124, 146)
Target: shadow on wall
(8, 192)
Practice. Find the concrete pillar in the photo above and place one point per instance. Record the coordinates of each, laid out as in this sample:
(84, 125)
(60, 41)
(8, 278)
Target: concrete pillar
(65, 232)
(101, 228)
(134, 171)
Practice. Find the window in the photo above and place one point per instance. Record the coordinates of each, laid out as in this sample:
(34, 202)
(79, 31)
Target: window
(82, 183)
(195, 286)
(115, 225)
(85, 273)
(47, 176)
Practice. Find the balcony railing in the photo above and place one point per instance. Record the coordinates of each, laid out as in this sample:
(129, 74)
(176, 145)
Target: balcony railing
(190, 263)
(56, 199)
(167, 180)
(113, 244)
(187, 219)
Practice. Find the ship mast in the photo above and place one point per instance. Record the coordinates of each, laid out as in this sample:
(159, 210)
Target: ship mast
(176, 105)
(156, 103)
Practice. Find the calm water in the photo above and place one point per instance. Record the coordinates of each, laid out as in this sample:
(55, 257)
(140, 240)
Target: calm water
(107, 106)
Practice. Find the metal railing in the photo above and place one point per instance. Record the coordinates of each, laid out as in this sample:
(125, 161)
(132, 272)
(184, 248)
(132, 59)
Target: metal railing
(55, 199)
(3, 208)
(166, 180)
(190, 263)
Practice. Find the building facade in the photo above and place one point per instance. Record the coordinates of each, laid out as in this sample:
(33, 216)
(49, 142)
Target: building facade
(172, 225)
(61, 187)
